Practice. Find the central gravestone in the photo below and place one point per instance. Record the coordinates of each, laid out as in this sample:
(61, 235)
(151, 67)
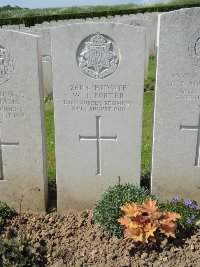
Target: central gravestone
(98, 74)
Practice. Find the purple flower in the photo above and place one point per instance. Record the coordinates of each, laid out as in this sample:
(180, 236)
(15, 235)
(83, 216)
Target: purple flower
(188, 202)
(191, 204)
(189, 221)
(175, 199)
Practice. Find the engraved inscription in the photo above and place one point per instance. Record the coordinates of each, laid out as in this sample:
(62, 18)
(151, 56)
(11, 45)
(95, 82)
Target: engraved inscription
(98, 97)
(194, 47)
(11, 104)
(196, 128)
(97, 56)
(98, 138)
(1, 155)
(185, 86)
(6, 65)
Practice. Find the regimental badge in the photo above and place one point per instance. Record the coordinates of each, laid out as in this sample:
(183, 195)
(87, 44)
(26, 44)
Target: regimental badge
(194, 47)
(6, 65)
(98, 56)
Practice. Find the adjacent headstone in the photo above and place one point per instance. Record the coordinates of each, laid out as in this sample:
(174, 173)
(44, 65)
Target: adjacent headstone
(46, 61)
(153, 17)
(53, 23)
(176, 138)
(22, 26)
(98, 75)
(46, 23)
(89, 20)
(9, 27)
(44, 34)
(116, 17)
(145, 24)
(22, 143)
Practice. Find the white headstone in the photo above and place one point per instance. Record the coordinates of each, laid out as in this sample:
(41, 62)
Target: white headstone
(145, 24)
(116, 17)
(22, 142)
(89, 20)
(46, 23)
(153, 17)
(176, 139)
(44, 34)
(98, 74)
(37, 25)
(53, 23)
(9, 27)
(96, 19)
(46, 61)
(22, 26)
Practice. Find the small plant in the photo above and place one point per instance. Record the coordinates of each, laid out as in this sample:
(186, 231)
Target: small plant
(142, 221)
(149, 83)
(188, 209)
(5, 212)
(17, 252)
(49, 97)
(107, 210)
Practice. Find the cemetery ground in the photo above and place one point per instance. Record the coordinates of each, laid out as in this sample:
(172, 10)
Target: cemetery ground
(75, 240)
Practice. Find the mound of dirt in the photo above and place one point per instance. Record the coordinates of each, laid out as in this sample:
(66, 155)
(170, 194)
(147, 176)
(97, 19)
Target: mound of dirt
(74, 240)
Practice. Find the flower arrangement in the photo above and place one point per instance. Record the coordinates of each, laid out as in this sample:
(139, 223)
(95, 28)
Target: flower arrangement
(133, 212)
(188, 209)
(142, 221)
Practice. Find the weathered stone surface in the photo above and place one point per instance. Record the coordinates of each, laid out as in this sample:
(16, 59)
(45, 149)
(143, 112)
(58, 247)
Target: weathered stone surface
(22, 143)
(98, 80)
(176, 166)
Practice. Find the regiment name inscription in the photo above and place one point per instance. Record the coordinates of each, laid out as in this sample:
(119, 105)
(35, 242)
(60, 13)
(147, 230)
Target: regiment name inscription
(112, 97)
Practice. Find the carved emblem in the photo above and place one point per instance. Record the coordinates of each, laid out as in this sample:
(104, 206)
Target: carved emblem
(194, 47)
(98, 56)
(6, 65)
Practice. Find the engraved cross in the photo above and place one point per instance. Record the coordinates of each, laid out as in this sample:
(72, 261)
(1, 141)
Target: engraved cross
(191, 128)
(1, 155)
(98, 138)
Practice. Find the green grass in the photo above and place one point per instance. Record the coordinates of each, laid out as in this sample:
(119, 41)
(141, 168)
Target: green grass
(150, 82)
(148, 118)
(49, 113)
(147, 133)
(147, 127)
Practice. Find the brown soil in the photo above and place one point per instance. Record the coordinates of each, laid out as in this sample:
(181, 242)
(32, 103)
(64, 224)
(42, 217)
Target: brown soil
(74, 240)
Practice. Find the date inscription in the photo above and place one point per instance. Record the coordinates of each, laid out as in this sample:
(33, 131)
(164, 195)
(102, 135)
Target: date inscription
(113, 97)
